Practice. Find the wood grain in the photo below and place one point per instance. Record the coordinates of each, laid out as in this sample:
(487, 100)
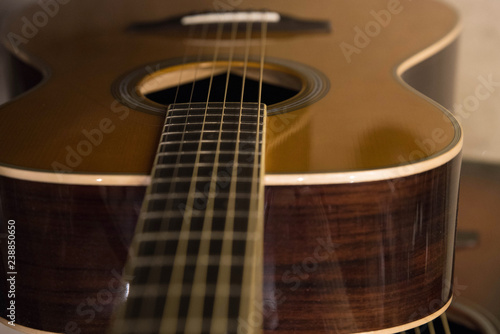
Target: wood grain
(340, 258)
(388, 243)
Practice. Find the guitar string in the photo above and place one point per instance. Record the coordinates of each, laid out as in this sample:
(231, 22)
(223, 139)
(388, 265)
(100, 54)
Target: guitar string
(222, 288)
(144, 308)
(192, 28)
(169, 203)
(198, 64)
(194, 324)
(446, 325)
(430, 325)
(164, 219)
(154, 277)
(169, 322)
(250, 292)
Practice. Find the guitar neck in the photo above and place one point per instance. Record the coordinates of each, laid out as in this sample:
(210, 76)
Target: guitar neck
(196, 255)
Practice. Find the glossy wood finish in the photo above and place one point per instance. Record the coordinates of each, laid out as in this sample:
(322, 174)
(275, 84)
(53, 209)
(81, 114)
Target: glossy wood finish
(359, 257)
(71, 246)
(367, 120)
(337, 258)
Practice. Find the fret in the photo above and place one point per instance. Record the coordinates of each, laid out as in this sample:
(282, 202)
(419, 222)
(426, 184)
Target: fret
(165, 142)
(168, 171)
(193, 260)
(148, 292)
(212, 126)
(210, 136)
(206, 146)
(225, 195)
(159, 224)
(222, 152)
(176, 213)
(246, 119)
(191, 165)
(200, 201)
(211, 111)
(182, 185)
(195, 235)
(182, 160)
(214, 112)
(148, 325)
(188, 180)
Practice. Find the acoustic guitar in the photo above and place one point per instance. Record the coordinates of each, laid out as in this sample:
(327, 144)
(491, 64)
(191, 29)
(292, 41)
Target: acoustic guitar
(211, 167)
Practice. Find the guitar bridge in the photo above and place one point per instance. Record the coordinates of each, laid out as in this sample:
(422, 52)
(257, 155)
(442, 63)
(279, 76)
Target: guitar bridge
(231, 17)
(276, 22)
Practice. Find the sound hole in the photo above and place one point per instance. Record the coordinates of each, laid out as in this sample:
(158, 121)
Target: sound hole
(287, 85)
(192, 82)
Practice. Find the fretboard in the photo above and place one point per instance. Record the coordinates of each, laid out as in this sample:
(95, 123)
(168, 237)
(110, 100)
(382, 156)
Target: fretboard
(196, 254)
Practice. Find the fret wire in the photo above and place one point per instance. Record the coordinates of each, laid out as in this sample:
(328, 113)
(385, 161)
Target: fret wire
(194, 213)
(210, 127)
(186, 260)
(148, 291)
(200, 109)
(199, 165)
(210, 123)
(222, 159)
(195, 235)
(208, 132)
(187, 179)
(228, 119)
(195, 137)
(204, 142)
(221, 195)
(150, 325)
(213, 119)
(233, 112)
(161, 154)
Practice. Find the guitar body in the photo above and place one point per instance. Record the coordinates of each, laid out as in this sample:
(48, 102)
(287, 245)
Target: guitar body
(361, 170)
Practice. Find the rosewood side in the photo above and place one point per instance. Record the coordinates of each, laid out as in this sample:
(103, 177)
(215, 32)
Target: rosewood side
(339, 258)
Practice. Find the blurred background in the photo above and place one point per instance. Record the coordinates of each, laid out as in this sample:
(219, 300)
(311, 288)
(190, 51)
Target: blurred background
(477, 265)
